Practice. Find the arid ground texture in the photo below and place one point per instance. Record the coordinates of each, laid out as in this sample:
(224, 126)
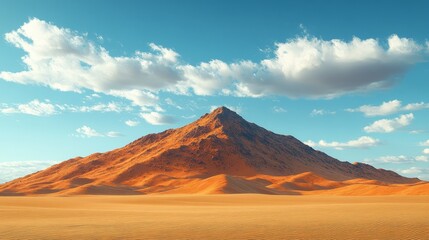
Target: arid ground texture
(219, 216)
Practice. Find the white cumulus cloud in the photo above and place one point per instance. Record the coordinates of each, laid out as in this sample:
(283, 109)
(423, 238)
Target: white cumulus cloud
(311, 67)
(362, 142)
(422, 158)
(206, 78)
(426, 151)
(156, 118)
(35, 108)
(390, 125)
(113, 134)
(387, 108)
(384, 109)
(422, 173)
(170, 102)
(398, 159)
(100, 107)
(86, 131)
(278, 109)
(425, 143)
(321, 112)
(132, 123)
(46, 108)
(92, 96)
(415, 106)
(66, 60)
(395, 159)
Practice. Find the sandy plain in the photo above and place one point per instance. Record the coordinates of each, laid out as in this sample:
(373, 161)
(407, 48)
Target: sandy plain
(238, 216)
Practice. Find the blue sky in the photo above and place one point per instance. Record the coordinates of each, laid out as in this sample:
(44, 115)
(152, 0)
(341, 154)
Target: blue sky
(78, 77)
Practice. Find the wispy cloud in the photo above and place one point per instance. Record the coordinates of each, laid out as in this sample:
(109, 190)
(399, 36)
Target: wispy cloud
(113, 134)
(87, 132)
(47, 108)
(416, 131)
(422, 173)
(35, 108)
(362, 142)
(278, 109)
(170, 102)
(100, 107)
(321, 112)
(92, 96)
(132, 123)
(156, 118)
(390, 125)
(387, 108)
(425, 143)
(398, 159)
(422, 158)
(13, 170)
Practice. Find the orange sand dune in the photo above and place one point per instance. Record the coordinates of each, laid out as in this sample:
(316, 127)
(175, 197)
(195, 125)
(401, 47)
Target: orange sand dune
(374, 189)
(300, 184)
(223, 184)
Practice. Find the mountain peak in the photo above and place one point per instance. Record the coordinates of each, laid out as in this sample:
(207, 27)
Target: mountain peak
(225, 118)
(223, 112)
(220, 152)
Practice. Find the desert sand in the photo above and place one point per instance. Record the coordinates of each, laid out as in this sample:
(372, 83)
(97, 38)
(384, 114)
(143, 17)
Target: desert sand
(234, 216)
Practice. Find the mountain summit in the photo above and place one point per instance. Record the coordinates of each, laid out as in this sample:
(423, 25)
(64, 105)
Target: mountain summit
(218, 153)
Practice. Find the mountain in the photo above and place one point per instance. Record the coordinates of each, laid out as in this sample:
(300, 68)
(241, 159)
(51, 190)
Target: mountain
(219, 153)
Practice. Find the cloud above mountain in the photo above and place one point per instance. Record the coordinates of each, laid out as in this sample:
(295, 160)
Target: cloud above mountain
(309, 67)
(390, 125)
(12, 170)
(361, 142)
(34, 107)
(398, 159)
(88, 132)
(47, 108)
(156, 118)
(389, 107)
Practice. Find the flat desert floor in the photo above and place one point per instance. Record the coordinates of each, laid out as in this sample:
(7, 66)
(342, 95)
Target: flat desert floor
(243, 216)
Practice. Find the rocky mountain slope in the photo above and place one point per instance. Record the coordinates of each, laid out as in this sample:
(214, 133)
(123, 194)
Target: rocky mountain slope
(219, 153)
